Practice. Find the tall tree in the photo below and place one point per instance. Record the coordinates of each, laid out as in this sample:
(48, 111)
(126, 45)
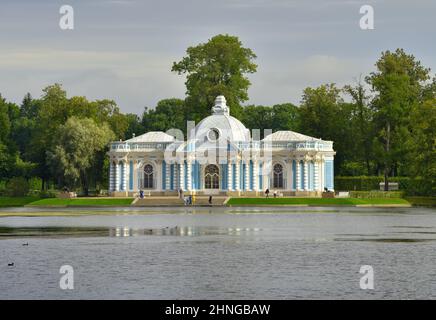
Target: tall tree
(397, 84)
(423, 129)
(77, 143)
(362, 119)
(324, 114)
(217, 67)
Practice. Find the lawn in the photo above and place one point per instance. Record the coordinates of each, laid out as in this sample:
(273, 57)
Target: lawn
(83, 202)
(316, 201)
(16, 201)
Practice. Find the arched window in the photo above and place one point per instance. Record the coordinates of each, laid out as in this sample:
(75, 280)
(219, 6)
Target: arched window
(278, 176)
(211, 177)
(148, 176)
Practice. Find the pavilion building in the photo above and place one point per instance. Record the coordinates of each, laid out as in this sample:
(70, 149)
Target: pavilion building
(221, 156)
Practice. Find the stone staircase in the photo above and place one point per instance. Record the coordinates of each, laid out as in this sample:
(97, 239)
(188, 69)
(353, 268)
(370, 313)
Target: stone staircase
(204, 200)
(155, 201)
(158, 202)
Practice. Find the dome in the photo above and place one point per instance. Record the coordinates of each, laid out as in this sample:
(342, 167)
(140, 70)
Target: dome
(152, 136)
(220, 125)
(289, 136)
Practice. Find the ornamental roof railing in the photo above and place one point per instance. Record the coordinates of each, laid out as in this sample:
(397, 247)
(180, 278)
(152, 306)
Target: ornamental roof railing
(317, 145)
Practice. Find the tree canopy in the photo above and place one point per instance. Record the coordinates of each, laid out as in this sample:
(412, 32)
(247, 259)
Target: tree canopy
(217, 67)
(75, 148)
(387, 129)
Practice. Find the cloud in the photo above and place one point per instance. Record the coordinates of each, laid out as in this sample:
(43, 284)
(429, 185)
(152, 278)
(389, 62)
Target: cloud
(133, 79)
(284, 82)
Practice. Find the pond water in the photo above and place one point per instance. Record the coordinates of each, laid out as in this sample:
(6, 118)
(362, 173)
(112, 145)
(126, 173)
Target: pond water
(220, 253)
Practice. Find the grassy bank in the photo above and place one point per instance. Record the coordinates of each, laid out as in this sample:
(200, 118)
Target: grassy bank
(316, 201)
(422, 201)
(82, 202)
(16, 201)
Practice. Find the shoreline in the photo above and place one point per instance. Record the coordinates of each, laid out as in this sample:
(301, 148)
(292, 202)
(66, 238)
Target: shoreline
(83, 211)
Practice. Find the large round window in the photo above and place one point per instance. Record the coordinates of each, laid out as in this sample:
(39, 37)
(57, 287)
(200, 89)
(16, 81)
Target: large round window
(213, 135)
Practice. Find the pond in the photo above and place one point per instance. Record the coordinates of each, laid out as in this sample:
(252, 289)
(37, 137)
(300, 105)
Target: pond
(219, 253)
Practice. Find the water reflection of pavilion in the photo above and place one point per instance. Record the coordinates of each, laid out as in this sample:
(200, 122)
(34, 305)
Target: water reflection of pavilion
(180, 231)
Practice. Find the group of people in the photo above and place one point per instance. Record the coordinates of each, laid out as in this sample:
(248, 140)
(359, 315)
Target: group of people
(267, 193)
(188, 199)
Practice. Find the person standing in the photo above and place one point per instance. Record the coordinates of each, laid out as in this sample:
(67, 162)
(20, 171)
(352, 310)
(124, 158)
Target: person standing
(267, 192)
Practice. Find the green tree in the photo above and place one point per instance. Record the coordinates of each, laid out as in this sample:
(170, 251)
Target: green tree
(5, 123)
(398, 84)
(285, 116)
(52, 113)
(168, 114)
(325, 115)
(217, 67)
(362, 116)
(76, 144)
(134, 125)
(258, 117)
(10, 162)
(423, 133)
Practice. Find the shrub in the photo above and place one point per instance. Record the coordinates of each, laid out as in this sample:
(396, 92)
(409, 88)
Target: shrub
(2, 187)
(35, 183)
(361, 183)
(412, 186)
(376, 194)
(46, 194)
(17, 187)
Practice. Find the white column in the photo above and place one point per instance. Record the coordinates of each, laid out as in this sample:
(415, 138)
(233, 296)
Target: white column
(316, 184)
(175, 177)
(321, 175)
(158, 176)
(255, 176)
(200, 181)
(288, 175)
(306, 176)
(182, 175)
(189, 174)
(111, 176)
(135, 175)
(247, 176)
(117, 176)
(265, 175)
(229, 175)
(167, 176)
(237, 176)
(124, 176)
(298, 175)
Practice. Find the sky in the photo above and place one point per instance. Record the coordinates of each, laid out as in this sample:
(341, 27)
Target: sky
(124, 49)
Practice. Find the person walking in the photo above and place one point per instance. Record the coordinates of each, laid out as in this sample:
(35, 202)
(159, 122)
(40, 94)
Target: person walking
(267, 192)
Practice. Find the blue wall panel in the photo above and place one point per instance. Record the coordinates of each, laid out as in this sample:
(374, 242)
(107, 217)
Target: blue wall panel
(164, 171)
(328, 174)
(131, 175)
(260, 176)
(301, 175)
(294, 174)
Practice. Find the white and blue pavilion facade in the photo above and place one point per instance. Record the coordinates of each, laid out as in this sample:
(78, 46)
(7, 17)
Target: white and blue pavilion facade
(220, 156)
